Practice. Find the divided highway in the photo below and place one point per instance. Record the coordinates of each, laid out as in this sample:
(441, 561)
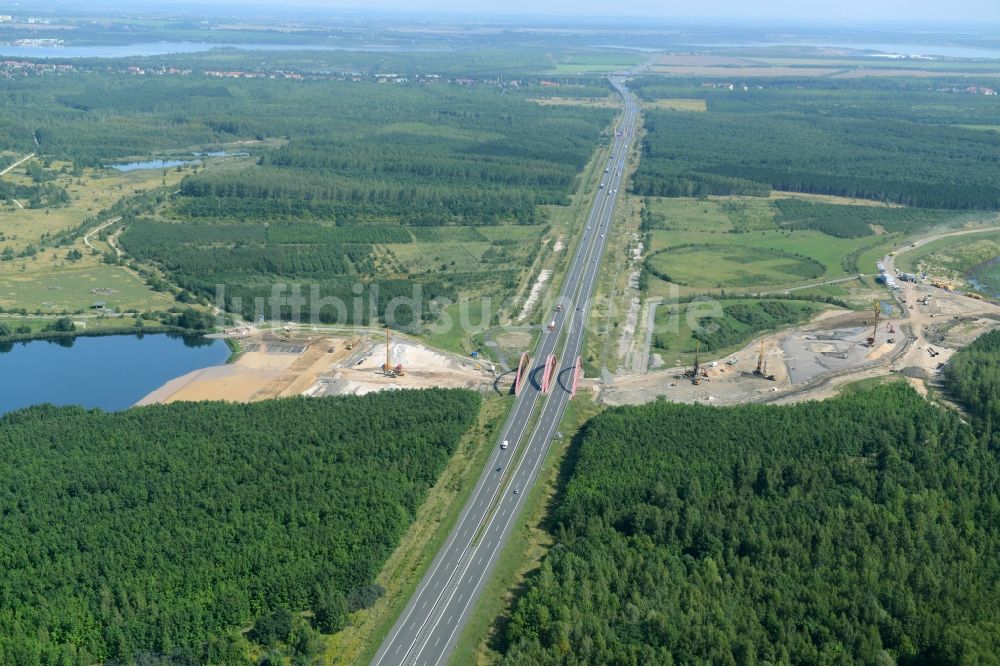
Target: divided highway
(430, 624)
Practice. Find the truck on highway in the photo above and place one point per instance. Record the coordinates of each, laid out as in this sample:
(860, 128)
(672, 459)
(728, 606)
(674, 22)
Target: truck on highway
(552, 324)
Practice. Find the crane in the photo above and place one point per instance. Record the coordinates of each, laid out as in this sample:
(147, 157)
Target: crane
(760, 361)
(696, 373)
(761, 370)
(387, 368)
(871, 338)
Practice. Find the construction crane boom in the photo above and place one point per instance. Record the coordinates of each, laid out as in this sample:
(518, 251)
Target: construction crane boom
(871, 338)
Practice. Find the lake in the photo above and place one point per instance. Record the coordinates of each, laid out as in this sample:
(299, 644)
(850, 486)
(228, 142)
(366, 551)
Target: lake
(152, 164)
(904, 49)
(158, 48)
(112, 372)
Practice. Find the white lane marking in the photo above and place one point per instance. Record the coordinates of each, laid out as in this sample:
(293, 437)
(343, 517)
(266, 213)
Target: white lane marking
(599, 210)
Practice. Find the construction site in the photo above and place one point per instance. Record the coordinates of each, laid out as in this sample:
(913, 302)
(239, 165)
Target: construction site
(288, 362)
(912, 329)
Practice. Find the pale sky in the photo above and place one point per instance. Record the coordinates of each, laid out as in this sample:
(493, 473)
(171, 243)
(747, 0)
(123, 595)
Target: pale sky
(839, 11)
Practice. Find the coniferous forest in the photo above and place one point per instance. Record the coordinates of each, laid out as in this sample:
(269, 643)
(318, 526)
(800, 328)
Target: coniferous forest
(863, 529)
(870, 139)
(161, 532)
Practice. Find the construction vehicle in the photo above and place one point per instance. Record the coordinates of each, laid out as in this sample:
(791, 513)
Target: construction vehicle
(761, 369)
(871, 338)
(351, 344)
(696, 373)
(387, 368)
(889, 328)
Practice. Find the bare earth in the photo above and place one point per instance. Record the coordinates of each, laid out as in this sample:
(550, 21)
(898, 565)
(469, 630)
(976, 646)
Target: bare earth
(812, 362)
(320, 365)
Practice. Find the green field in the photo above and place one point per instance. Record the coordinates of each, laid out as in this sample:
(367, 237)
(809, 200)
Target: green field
(748, 243)
(595, 62)
(64, 287)
(725, 266)
(710, 215)
(952, 258)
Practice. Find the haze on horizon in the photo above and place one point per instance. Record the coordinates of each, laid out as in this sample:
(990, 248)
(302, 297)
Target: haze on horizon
(843, 12)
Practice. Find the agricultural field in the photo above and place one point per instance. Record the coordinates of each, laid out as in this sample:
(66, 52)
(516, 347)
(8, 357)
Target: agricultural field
(677, 104)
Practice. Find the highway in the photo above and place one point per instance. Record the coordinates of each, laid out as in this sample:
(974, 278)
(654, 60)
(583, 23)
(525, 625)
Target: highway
(429, 626)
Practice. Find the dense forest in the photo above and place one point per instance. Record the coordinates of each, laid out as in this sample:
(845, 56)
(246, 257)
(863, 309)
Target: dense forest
(740, 321)
(421, 156)
(861, 529)
(973, 378)
(856, 221)
(865, 140)
(165, 530)
(351, 172)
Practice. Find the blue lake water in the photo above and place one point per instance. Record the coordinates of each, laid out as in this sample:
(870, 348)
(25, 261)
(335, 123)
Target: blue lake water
(157, 48)
(152, 164)
(111, 372)
(951, 51)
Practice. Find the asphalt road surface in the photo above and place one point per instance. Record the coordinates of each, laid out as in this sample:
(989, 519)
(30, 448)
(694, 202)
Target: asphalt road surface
(430, 624)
